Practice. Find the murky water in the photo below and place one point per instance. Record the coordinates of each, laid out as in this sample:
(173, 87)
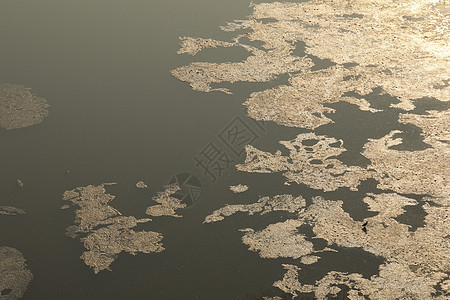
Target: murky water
(118, 115)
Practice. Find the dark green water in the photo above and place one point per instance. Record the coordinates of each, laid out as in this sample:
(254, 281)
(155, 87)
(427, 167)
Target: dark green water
(118, 115)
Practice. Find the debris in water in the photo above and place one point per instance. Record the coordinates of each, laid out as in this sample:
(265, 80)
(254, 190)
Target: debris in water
(11, 211)
(240, 188)
(141, 185)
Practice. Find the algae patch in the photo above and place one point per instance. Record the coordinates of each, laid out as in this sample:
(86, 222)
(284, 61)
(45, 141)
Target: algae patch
(407, 57)
(399, 47)
(278, 240)
(141, 185)
(409, 172)
(301, 104)
(167, 203)
(240, 188)
(262, 66)
(435, 126)
(313, 165)
(103, 230)
(416, 262)
(19, 108)
(190, 45)
(417, 172)
(264, 205)
(15, 275)
(11, 211)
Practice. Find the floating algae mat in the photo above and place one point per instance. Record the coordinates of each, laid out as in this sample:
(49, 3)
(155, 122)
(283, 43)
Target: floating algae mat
(15, 274)
(167, 204)
(225, 150)
(400, 47)
(103, 230)
(11, 211)
(19, 108)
